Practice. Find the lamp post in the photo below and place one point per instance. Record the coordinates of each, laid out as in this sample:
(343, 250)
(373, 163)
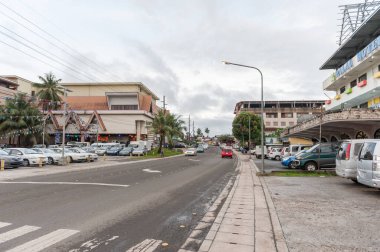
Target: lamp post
(262, 107)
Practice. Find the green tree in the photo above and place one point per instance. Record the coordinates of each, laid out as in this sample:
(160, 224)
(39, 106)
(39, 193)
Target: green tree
(225, 138)
(240, 127)
(21, 118)
(199, 132)
(49, 91)
(176, 127)
(167, 125)
(207, 131)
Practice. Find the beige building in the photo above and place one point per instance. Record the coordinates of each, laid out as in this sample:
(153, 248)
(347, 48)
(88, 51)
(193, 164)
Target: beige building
(281, 114)
(11, 84)
(115, 111)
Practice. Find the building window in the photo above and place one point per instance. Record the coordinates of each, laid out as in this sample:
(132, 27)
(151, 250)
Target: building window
(33, 93)
(378, 68)
(286, 115)
(363, 77)
(245, 105)
(267, 123)
(353, 83)
(342, 89)
(361, 135)
(124, 107)
(291, 123)
(377, 134)
(275, 123)
(283, 123)
(271, 115)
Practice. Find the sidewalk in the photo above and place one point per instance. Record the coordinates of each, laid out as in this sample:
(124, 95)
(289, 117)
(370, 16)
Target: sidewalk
(247, 220)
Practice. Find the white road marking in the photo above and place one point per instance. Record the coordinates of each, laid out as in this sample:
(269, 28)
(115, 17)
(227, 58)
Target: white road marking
(195, 160)
(44, 241)
(148, 245)
(151, 171)
(4, 224)
(14, 233)
(62, 183)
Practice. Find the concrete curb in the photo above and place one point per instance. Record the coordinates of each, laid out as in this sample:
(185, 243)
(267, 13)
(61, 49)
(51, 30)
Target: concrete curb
(281, 244)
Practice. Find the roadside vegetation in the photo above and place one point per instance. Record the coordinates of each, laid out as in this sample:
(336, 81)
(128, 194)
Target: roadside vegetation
(155, 153)
(302, 173)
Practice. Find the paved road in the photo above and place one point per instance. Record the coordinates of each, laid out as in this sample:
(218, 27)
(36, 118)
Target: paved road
(112, 208)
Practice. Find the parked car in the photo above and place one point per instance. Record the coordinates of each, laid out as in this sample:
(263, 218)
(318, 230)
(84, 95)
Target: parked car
(89, 149)
(275, 153)
(179, 145)
(200, 149)
(226, 152)
(191, 152)
(293, 149)
(101, 151)
(91, 156)
(369, 163)
(139, 151)
(10, 161)
(205, 146)
(126, 151)
(29, 156)
(52, 156)
(258, 151)
(347, 157)
(288, 161)
(71, 155)
(319, 156)
(114, 151)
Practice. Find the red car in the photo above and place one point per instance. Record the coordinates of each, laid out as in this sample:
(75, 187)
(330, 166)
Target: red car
(226, 153)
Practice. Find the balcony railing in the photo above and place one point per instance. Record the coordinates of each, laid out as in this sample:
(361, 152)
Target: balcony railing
(361, 114)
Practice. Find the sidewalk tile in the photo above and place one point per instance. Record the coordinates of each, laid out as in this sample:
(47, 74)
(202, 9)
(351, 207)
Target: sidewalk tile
(240, 216)
(229, 221)
(227, 247)
(205, 246)
(235, 238)
(262, 219)
(237, 229)
(264, 242)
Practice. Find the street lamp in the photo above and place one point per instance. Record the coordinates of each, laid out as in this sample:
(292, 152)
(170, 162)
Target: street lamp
(262, 107)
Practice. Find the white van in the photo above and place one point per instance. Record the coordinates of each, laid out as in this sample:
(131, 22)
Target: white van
(258, 151)
(293, 149)
(347, 157)
(369, 163)
(141, 144)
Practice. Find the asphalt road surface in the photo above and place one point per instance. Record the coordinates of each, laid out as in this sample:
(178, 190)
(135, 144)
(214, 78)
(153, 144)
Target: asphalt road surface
(112, 208)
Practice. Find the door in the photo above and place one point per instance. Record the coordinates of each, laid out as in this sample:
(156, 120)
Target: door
(327, 156)
(365, 161)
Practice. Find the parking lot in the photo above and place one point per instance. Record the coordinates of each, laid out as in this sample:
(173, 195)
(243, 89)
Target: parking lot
(326, 213)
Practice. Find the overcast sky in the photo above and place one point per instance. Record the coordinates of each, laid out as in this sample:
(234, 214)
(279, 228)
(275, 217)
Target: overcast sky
(175, 47)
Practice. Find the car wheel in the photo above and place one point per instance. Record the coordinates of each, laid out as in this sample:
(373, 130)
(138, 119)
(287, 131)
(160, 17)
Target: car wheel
(277, 158)
(311, 166)
(71, 160)
(25, 162)
(355, 180)
(50, 160)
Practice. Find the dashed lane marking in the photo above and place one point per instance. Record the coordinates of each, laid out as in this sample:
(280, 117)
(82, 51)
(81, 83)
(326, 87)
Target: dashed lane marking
(4, 224)
(62, 183)
(195, 160)
(148, 245)
(151, 171)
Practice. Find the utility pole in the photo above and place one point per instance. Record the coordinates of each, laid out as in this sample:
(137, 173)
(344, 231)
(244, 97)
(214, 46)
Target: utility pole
(164, 104)
(43, 132)
(97, 133)
(249, 135)
(193, 130)
(64, 127)
(189, 135)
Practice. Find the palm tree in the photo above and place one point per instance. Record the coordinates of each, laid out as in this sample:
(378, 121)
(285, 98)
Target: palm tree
(160, 127)
(49, 91)
(207, 131)
(176, 127)
(20, 117)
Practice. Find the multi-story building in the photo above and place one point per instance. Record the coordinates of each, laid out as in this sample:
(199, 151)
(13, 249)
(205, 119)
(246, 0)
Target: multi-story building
(281, 114)
(353, 112)
(11, 84)
(113, 111)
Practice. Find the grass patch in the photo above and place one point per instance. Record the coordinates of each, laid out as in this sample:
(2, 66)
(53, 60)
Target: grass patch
(303, 173)
(154, 153)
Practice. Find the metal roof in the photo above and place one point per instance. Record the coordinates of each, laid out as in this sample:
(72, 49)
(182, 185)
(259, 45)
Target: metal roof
(367, 32)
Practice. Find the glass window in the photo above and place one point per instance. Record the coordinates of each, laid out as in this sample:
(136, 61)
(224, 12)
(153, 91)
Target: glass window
(357, 148)
(295, 149)
(283, 123)
(286, 115)
(267, 123)
(326, 148)
(367, 151)
(353, 83)
(271, 115)
(363, 77)
(275, 123)
(291, 123)
(342, 89)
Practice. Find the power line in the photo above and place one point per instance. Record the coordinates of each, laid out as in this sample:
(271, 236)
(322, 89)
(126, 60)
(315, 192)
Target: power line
(100, 69)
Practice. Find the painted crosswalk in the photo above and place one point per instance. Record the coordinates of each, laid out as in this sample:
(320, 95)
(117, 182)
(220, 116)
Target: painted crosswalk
(40, 243)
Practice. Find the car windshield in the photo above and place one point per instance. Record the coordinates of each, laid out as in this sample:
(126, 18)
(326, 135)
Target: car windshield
(29, 151)
(312, 149)
(3, 152)
(38, 151)
(48, 151)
